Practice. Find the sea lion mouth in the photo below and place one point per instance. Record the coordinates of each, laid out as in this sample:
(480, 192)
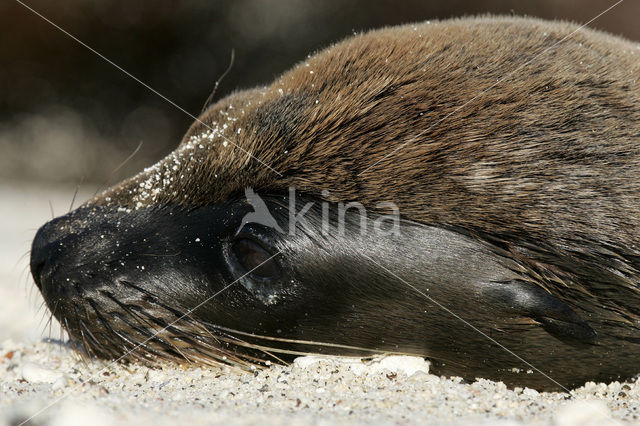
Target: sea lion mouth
(136, 284)
(104, 273)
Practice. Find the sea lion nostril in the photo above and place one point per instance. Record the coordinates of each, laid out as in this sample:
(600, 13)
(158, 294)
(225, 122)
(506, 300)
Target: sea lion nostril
(50, 232)
(40, 253)
(54, 248)
(36, 272)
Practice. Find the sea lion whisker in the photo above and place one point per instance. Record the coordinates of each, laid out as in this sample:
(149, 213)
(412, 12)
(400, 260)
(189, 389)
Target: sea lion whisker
(75, 194)
(206, 354)
(106, 324)
(82, 339)
(160, 255)
(211, 97)
(194, 344)
(227, 358)
(43, 314)
(49, 325)
(179, 351)
(239, 342)
(277, 350)
(43, 304)
(206, 348)
(55, 307)
(372, 352)
(86, 336)
(27, 282)
(153, 320)
(43, 322)
(278, 359)
(230, 339)
(297, 341)
(132, 310)
(151, 336)
(152, 297)
(85, 349)
(209, 348)
(65, 326)
(21, 258)
(114, 171)
(151, 333)
(319, 344)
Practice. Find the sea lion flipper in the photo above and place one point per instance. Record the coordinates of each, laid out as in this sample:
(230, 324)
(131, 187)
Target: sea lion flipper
(555, 316)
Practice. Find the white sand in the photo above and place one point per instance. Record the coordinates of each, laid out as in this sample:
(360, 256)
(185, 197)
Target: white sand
(49, 380)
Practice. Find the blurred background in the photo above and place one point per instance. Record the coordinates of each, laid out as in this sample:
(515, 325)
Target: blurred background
(68, 116)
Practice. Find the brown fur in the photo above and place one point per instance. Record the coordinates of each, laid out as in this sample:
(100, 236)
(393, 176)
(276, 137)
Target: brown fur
(532, 151)
(551, 152)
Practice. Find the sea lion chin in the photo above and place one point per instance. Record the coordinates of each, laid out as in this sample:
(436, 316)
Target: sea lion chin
(495, 166)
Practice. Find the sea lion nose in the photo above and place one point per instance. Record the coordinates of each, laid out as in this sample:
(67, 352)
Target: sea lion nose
(47, 248)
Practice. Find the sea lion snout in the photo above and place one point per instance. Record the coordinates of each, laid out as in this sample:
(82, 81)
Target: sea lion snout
(43, 252)
(97, 247)
(115, 277)
(56, 251)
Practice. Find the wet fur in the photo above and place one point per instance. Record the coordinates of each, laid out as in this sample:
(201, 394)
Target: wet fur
(538, 176)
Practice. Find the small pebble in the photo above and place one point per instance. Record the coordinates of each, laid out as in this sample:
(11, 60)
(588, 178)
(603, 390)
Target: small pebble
(35, 373)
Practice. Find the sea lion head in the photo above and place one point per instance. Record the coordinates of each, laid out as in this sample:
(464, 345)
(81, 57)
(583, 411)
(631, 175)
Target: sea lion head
(385, 195)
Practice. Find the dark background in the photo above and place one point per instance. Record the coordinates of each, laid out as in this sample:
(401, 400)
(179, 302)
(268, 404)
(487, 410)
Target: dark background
(67, 115)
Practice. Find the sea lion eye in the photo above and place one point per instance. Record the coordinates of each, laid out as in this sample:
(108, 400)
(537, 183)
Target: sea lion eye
(255, 259)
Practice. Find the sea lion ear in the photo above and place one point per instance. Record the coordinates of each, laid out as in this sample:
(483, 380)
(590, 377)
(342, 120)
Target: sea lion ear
(530, 300)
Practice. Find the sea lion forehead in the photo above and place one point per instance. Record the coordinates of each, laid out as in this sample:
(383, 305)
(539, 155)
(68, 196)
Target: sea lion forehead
(246, 137)
(360, 98)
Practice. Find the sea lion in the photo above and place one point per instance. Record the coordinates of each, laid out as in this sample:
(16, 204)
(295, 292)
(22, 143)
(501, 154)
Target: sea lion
(496, 162)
